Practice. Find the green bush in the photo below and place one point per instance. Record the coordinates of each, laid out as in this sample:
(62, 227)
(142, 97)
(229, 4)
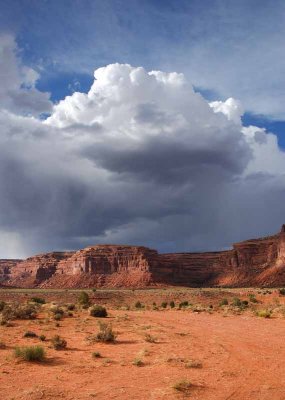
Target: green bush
(98, 311)
(30, 334)
(236, 302)
(224, 302)
(105, 334)
(183, 304)
(58, 343)
(2, 305)
(83, 299)
(30, 353)
(38, 300)
(57, 316)
(252, 298)
(164, 304)
(172, 304)
(139, 304)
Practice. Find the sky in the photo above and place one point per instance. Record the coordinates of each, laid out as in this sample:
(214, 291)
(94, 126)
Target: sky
(151, 122)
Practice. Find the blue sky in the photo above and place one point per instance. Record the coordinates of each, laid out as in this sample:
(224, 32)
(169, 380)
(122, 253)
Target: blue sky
(143, 159)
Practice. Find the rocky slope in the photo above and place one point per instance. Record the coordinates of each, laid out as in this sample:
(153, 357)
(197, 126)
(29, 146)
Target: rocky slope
(256, 262)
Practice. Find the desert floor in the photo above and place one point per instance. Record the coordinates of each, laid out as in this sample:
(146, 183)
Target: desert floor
(222, 351)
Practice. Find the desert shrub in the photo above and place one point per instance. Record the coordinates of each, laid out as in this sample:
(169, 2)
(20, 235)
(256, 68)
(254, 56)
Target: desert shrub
(70, 314)
(57, 310)
(83, 299)
(264, 313)
(70, 307)
(30, 353)
(252, 298)
(223, 302)
(98, 311)
(244, 303)
(105, 334)
(30, 334)
(282, 291)
(138, 362)
(182, 386)
(139, 304)
(94, 290)
(2, 345)
(19, 311)
(172, 304)
(149, 338)
(2, 305)
(42, 338)
(57, 316)
(193, 364)
(236, 302)
(183, 304)
(96, 354)
(164, 304)
(58, 343)
(38, 300)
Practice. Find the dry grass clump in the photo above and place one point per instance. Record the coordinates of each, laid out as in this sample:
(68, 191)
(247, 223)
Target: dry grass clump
(58, 343)
(264, 313)
(149, 338)
(19, 311)
(193, 364)
(30, 353)
(183, 386)
(105, 334)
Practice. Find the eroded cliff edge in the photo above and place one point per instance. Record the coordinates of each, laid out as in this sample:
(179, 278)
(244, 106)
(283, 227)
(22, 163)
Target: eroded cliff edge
(255, 262)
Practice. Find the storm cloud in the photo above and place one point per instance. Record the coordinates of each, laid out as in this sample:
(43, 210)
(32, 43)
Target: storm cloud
(140, 159)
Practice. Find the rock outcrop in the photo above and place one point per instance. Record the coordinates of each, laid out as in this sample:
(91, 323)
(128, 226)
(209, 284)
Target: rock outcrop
(256, 262)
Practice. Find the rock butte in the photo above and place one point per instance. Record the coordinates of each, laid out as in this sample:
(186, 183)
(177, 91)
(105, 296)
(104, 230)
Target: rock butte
(255, 262)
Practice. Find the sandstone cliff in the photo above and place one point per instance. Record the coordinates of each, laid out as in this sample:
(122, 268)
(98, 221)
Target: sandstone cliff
(256, 262)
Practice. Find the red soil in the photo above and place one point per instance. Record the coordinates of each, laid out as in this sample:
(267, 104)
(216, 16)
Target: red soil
(242, 358)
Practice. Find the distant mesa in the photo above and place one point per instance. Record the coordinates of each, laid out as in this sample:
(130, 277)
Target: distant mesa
(255, 262)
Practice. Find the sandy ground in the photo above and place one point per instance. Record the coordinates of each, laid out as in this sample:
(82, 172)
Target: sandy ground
(242, 357)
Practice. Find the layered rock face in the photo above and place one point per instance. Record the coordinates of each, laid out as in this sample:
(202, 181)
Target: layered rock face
(256, 262)
(6, 267)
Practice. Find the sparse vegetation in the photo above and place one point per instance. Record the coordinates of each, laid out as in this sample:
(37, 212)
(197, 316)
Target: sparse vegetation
(96, 354)
(38, 300)
(282, 291)
(183, 304)
(19, 311)
(138, 362)
(30, 353)
(172, 304)
(2, 305)
(193, 364)
(164, 304)
(149, 338)
(139, 304)
(264, 313)
(183, 386)
(83, 299)
(223, 302)
(42, 338)
(58, 343)
(105, 334)
(98, 311)
(30, 334)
